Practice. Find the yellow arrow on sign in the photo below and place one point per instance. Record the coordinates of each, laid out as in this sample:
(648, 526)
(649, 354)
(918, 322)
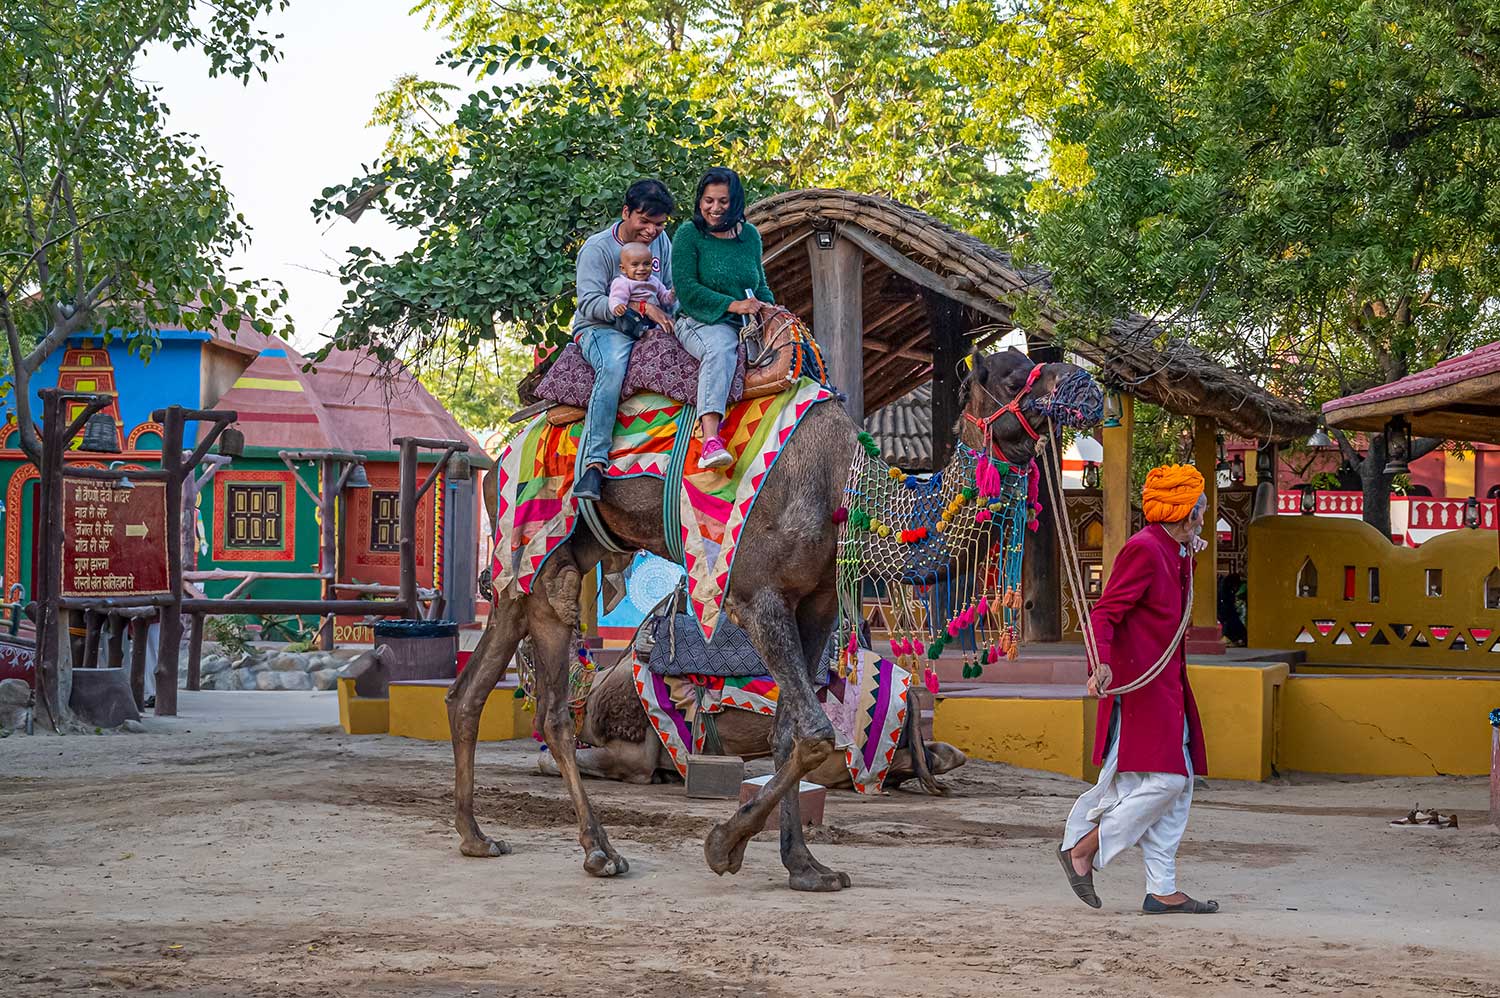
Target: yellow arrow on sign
(135, 530)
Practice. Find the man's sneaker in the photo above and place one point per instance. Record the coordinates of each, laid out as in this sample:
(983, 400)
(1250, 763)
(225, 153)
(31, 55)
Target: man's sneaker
(588, 486)
(715, 454)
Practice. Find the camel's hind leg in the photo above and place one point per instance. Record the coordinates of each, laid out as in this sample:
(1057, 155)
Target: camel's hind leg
(804, 739)
(552, 637)
(466, 699)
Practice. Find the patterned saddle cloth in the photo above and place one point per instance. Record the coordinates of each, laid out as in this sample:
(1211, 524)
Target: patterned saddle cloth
(535, 511)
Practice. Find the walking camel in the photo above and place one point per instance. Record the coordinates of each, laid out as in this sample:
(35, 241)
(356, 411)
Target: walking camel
(782, 594)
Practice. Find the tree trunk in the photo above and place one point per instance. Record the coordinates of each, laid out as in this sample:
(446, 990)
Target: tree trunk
(1376, 486)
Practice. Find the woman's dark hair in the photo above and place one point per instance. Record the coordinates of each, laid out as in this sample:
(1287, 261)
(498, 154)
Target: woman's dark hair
(650, 197)
(736, 213)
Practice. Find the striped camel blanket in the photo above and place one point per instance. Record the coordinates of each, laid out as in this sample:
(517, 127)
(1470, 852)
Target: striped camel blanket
(536, 511)
(868, 711)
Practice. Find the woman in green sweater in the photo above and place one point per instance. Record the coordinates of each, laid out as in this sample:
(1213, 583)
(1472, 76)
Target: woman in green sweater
(719, 281)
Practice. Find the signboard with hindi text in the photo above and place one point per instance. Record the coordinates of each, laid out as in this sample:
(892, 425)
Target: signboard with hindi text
(114, 539)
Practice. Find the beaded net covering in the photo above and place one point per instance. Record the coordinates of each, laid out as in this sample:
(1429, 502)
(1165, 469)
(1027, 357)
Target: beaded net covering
(939, 556)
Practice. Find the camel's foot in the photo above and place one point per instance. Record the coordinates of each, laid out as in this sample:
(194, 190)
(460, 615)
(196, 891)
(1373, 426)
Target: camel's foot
(725, 848)
(818, 878)
(605, 863)
(546, 765)
(484, 847)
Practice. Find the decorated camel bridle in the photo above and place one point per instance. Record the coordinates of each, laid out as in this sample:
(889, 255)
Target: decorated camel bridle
(1050, 409)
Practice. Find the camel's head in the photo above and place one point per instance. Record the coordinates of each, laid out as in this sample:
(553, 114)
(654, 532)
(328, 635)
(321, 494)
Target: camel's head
(1007, 394)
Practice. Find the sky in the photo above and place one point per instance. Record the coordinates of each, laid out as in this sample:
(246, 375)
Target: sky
(281, 141)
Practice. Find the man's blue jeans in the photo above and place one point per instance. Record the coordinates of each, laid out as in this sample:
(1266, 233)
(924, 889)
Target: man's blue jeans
(608, 352)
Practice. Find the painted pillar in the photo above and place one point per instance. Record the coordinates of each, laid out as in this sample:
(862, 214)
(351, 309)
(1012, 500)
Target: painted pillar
(838, 281)
(1203, 635)
(1115, 479)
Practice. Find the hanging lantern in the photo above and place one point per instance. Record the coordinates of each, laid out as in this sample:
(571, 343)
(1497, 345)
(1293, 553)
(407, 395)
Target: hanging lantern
(1309, 504)
(1397, 446)
(1090, 474)
(1112, 410)
(1320, 438)
(100, 435)
(1237, 469)
(1471, 513)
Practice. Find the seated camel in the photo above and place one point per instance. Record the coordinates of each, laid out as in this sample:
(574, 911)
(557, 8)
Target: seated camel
(622, 746)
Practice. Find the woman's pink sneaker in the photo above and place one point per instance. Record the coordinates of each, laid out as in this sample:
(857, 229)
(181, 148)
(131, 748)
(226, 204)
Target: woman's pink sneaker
(715, 454)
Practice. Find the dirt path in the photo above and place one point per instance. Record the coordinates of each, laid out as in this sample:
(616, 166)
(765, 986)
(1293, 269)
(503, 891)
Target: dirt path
(225, 859)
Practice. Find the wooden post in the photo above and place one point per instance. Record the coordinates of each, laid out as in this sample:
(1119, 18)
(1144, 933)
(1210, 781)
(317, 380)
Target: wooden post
(54, 675)
(1115, 477)
(116, 654)
(950, 323)
(408, 527)
(93, 623)
(328, 556)
(588, 608)
(141, 630)
(838, 317)
(1203, 636)
(171, 614)
(195, 655)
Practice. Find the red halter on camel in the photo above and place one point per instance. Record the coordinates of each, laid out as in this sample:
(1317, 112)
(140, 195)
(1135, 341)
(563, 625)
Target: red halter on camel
(1013, 407)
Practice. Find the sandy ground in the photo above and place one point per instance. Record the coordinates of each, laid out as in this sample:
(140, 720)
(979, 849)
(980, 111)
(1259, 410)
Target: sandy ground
(250, 848)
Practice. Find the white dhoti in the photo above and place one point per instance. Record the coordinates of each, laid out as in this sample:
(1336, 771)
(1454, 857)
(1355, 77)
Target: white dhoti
(1129, 808)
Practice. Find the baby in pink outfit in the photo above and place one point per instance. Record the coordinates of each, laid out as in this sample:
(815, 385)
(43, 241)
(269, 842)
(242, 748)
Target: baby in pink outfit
(636, 283)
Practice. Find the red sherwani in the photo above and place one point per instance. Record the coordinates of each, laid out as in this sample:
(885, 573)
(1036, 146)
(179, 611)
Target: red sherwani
(1134, 620)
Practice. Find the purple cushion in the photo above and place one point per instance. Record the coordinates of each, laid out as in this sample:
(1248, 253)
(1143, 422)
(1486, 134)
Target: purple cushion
(658, 363)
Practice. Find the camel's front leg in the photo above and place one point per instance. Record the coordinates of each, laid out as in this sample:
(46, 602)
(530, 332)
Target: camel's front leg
(553, 641)
(804, 739)
(466, 699)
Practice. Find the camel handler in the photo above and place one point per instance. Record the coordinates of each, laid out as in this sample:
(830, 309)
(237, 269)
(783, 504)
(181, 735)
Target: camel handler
(1148, 740)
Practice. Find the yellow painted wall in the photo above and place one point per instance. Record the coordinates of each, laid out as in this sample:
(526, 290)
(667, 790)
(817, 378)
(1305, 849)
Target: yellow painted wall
(1051, 735)
(1387, 726)
(422, 712)
(1237, 705)
(1410, 623)
(361, 715)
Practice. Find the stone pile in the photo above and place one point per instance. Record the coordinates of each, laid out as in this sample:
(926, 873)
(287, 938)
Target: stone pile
(270, 668)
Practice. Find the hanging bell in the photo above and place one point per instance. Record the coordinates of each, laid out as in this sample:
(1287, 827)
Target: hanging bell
(100, 435)
(232, 442)
(457, 468)
(357, 478)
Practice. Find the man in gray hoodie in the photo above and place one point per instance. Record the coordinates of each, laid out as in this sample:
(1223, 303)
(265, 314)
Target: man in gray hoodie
(643, 219)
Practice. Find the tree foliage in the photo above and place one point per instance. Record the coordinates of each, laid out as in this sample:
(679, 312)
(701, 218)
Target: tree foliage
(540, 164)
(1307, 189)
(107, 218)
(893, 97)
(478, 389)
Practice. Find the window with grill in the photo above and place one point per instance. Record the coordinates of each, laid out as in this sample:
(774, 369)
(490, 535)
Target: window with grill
(385, 521)
(254, 516)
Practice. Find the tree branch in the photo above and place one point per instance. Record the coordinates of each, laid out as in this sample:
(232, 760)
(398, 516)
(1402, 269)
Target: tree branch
(82, 315)
(20, 385)
(1422, 446)
(1347, 449)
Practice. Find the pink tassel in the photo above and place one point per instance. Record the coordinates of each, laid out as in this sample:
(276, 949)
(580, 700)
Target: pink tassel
(952, 628)
(931, 679)
(987, 477)
(921, 650)
(983, 516)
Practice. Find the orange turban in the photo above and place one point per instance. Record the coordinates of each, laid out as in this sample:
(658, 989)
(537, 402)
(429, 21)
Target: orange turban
(1171, 492)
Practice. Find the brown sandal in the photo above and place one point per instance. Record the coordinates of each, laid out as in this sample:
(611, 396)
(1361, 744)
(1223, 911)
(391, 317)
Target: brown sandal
(1082, 883)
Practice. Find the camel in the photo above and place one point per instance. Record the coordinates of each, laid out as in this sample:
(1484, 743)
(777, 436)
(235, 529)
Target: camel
(783, 594)
(622, 745)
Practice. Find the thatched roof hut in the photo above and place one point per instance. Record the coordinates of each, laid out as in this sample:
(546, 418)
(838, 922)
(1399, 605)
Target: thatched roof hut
(908, 295)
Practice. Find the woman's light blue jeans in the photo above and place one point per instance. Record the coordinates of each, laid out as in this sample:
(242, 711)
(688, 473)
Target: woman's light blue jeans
(717, 349)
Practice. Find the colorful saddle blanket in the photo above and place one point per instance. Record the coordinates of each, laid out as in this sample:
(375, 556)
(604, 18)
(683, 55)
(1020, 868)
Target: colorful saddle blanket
(536, 511)
(868, 711)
